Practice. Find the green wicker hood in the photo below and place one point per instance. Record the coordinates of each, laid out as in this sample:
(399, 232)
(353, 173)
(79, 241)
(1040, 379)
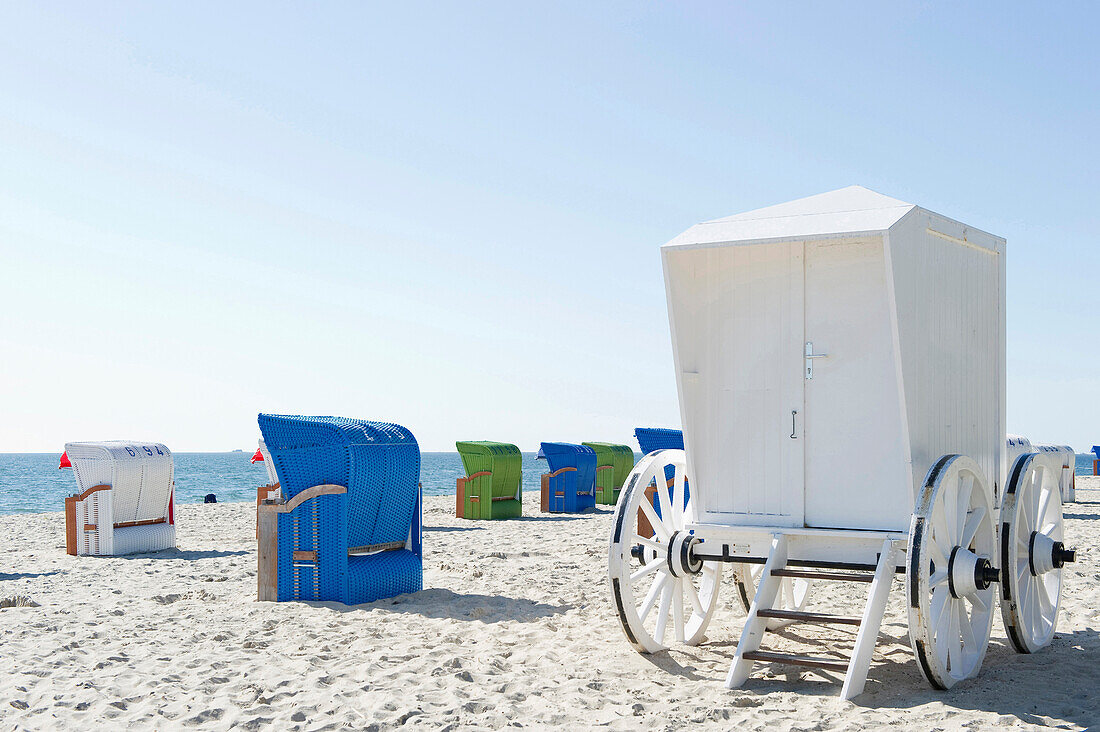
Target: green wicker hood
(501, 458)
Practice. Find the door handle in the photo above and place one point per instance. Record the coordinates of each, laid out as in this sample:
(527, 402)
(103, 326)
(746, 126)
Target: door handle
(794, 436)
(810, 356)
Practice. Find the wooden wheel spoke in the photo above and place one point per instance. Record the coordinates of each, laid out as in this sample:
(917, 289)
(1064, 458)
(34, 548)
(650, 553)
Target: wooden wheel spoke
(651, 596)
(678, 609)
(656, 545)
(678, 494)
(1046, 607)
(1023, 572)
(693, 598)
(939, 578)
(954, 634)
(970, 528)
(662, 613)
(967, 632)
(948, 508)
(942, 625)
(654, 520)
(941, 533)
(1035, 491)
(938, 556)
(940, 596)
(1044, 506)
(667, 511)
(1023, 520)
(979, 601)
(962, 508)
(653, 566)
(1034, 611)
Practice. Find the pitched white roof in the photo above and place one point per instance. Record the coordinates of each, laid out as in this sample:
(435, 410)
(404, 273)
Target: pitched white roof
(851, 210)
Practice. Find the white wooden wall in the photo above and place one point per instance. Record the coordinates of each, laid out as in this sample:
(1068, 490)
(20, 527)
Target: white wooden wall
(948, 286)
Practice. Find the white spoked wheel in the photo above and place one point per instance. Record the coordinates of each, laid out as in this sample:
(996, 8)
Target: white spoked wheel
(654, 576)
(1032, 553)
(793, 592)
(948, 579)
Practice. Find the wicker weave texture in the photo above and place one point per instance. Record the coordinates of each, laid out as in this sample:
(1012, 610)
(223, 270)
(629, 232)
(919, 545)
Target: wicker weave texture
(610, 482)
(139, 473)
(379, 464)
(505, 462)
(577, 486)
(151, 538)
(140, 477)
(658, 438)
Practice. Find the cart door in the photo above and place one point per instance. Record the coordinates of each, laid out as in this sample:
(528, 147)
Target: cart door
(855, 468)
(737, 330)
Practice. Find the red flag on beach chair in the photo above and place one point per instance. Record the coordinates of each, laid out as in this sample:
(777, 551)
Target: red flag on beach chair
(257, 458)
(64, 461)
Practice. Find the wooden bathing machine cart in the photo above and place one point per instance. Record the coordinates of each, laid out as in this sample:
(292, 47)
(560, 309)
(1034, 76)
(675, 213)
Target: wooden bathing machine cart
(840, 364)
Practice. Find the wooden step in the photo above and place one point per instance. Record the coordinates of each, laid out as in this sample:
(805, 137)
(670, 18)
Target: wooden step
(805, 617)
(832, 664)
(821, 574)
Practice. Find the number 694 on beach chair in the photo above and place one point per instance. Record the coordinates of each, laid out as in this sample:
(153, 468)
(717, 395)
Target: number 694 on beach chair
(349, 528)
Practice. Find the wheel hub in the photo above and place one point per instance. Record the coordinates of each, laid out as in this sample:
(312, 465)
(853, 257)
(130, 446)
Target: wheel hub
(969, 573)
(1046, 554)
(681, 555)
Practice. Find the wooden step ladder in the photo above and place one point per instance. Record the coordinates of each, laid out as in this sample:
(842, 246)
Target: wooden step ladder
(775, 569)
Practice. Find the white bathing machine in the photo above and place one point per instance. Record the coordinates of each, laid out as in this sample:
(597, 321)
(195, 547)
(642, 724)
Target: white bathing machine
(840, 362)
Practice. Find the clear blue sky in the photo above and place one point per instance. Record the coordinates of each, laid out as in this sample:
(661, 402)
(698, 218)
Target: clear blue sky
(448, 215)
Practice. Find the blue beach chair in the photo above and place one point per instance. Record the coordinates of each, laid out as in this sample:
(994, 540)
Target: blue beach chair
(349, 528)
(570, 486)
(651, 439)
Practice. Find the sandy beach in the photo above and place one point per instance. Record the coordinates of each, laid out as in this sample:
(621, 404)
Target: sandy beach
(514, 628)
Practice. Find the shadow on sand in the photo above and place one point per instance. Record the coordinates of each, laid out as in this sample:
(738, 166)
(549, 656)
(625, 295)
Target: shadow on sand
(27, 575)
(1033, 688)
(587, 513)
(439, 603)
(187, 555)
(666, 663)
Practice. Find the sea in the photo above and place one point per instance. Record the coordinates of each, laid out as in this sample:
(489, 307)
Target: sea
(32, 482)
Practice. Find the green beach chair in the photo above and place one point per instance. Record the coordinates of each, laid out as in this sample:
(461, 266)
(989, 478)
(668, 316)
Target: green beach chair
(613, 463)
(491, 488)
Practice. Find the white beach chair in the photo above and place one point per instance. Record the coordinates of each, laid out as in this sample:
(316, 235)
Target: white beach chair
(1062, 460)
(270, 492)
(272, 489)
(124, 504)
